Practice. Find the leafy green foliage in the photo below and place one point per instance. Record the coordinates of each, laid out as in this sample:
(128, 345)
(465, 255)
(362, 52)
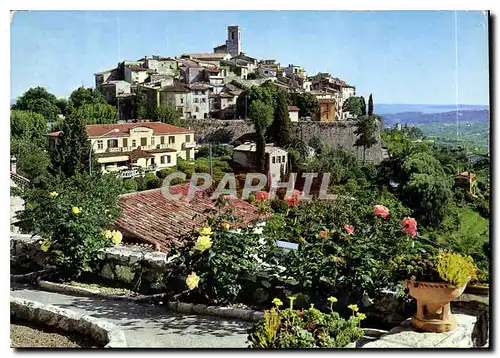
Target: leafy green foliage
(232, 256)
(85, 96)
(308, 328)
(33, 162)
(281, 124)
(74, 237)
(40, 101)
(151, 181)
(130, 185)
(72, 154)
(27, 126)
(97, 113)
(353, 105)
(366, 129)
(370, 105)
(141, 105)
(308, 104)
(262, 116)
(218, 150)
(168, 114)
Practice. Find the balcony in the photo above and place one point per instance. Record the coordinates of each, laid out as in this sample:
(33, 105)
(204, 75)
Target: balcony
(165, 146)
(187, 145)
(114, 150)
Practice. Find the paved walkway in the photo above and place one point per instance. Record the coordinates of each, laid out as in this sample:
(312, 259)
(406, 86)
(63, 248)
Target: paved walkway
(147, 326)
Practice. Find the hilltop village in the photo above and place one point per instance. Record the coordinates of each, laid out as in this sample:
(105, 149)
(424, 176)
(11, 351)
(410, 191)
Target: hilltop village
(207, 85)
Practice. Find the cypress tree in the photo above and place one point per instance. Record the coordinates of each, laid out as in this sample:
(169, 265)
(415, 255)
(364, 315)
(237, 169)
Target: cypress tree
(282, 120)
(370, 105)
(363, 105)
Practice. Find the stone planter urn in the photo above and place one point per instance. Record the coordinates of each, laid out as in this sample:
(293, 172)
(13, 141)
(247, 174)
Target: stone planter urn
(433, 305)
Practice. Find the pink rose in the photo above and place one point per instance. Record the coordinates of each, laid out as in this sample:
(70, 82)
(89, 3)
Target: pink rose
(380, 210)
(262, 195)
(349, 229)
(410, 226)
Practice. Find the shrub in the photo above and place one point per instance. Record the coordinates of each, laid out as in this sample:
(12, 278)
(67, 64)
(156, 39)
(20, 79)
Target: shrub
(151, 181)
(449, 267)
(130, 185)
(72, 218)
(309, 328)
(220, 256)
(163, 173)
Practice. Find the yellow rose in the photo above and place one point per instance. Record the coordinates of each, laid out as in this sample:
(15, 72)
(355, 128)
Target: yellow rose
(353, 307)
(108, 234)
(206, 231)
(225, 226)
(192, 280)
(54, 194)
(332, 299)
(277, 302)
(45, 246)
(361, 316)
(203, 243)
(116, 237)
(76, 210)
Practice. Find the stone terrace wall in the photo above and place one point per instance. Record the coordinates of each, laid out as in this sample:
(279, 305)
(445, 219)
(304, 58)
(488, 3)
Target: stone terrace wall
(335, 134)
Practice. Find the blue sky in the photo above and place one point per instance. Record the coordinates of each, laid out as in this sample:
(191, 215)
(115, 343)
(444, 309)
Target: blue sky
(399, 56)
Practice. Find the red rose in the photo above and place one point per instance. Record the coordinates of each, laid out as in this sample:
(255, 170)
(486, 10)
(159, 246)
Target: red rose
(262, 195)
(349, 229)
(380, 210)
(323, 234)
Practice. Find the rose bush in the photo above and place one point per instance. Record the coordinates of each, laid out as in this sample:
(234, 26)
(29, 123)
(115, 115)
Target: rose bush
(72, 219)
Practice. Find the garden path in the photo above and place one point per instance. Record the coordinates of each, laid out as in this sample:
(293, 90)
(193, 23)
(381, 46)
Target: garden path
(148, 326)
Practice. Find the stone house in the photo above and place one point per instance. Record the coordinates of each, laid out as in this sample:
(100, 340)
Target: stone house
(136, 74)
(276, 160)
(293, 113)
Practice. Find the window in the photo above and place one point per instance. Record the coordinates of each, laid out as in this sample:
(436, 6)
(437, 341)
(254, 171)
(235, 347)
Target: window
(203, 100)
(196, 100)
(152, 140)
(274, 160)
(278, 159)
(182, 100)
(188, 138)
(162, 159)
(152, 161)
(144, 141)
(99, 144)
(125, 142)
(196, 109)
(112, 143)
(162, 140)
(283, 159)
(133, 143)
(171, 140)
(169, 160)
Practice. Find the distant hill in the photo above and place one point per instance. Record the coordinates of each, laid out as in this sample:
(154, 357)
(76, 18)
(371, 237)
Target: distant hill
(464, 116)
(382, 109)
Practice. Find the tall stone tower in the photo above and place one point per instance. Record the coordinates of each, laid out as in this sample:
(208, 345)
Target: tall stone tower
(233, 42)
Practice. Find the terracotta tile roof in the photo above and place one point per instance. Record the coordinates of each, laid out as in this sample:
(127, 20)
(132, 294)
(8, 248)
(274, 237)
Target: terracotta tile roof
(176, 87)
(150, 217)
(293, 109)
(96, 130)
(138, 153)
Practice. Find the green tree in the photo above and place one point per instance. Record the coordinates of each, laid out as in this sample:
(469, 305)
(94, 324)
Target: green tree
(33, 162)
(366, 129)
(168, 114)
(141, 106)
(262, 115)
(27, 126)
(370, 105)
(72, 153)
(363, 105)
(265, 93)
(40, 101)
(97, 113)
(353, 106)
(281, 124)
(308, 104)
(82, 96)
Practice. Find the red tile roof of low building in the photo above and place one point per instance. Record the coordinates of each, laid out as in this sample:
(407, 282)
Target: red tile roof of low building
(293, 109)
(96, 130)
(152, 218)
